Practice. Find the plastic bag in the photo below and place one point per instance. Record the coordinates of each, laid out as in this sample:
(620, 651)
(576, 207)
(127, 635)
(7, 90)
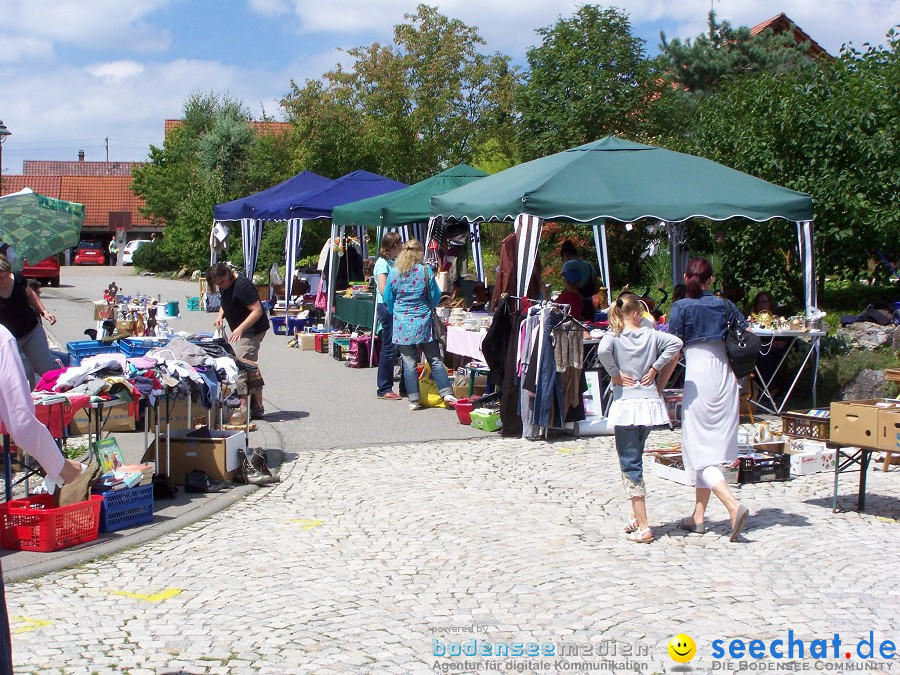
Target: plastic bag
(219, 333)
(428, 390)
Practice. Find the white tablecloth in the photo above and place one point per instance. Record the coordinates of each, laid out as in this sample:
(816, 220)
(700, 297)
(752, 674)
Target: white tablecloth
(465, 342)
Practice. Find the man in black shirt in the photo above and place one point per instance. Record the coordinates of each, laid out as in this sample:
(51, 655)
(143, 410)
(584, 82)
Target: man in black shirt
(242, 310)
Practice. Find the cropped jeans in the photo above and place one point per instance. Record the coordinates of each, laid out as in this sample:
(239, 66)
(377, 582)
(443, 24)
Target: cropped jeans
(409, 356)
(385, 377)
(630, 448)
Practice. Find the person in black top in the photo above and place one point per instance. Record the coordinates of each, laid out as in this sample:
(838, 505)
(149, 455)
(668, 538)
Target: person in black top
(248, 322)
(20, 311)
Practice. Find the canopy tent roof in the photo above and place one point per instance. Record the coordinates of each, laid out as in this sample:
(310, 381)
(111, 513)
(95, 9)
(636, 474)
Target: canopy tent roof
(409, 205)
(320, 202)
(292, 188)
(615, 178)
(37, 227)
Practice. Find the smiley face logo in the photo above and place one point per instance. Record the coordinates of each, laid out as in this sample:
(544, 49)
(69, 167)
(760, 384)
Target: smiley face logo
(682, 648)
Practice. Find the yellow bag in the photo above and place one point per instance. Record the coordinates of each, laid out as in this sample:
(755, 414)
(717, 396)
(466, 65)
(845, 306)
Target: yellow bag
(428, 390)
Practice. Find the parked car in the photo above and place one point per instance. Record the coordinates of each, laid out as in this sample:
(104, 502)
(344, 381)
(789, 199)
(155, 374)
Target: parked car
(90, 253)
(47, 270)
(130, 248)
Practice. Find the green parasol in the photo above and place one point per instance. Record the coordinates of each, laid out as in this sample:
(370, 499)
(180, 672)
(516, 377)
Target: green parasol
(36, 227)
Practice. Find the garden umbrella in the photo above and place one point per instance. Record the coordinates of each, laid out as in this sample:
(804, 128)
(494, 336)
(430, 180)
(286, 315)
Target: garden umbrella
(37, 227)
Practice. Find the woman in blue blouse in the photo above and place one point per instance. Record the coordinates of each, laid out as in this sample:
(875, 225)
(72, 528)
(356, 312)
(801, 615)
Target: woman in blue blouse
(390, 248)
(406, 295)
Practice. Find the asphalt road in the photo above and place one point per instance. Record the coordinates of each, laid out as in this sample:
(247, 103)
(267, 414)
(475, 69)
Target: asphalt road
(313, 401)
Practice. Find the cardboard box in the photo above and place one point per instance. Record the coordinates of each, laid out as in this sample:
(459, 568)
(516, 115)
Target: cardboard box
(182, 413)
(858, 422)
(216, 453)
(461, 386)
(103, 310)
(808, 457)
(889, 430)
(306, 342)
(122, 417)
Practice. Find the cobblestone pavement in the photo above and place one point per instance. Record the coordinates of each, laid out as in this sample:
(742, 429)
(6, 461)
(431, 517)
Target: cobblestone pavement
(362, 558)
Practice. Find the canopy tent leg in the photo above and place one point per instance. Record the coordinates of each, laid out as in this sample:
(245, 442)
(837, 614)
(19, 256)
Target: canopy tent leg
(329, 291)
(678, 250)
(528, 236)
(808, 260)
(475, 238)
(291, 252)
(602, 257)
(251, 235)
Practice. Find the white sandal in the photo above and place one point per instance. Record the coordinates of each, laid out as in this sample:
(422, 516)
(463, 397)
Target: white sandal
(641, 536)
(631, 525)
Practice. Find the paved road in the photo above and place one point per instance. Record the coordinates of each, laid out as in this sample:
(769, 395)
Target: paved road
(368, 552)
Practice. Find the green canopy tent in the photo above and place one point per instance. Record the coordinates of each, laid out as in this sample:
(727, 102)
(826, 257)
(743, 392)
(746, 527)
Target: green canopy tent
(624, 181)
(36, 227)
(409, 206)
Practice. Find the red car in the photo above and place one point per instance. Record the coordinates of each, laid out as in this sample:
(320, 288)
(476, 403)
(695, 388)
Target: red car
(47, 270)
(90, 253)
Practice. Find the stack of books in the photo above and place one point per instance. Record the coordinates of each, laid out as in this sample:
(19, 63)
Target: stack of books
(117, 475)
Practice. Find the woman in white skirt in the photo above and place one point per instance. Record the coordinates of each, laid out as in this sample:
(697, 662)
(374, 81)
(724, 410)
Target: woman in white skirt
(710, 424)
(639, 359)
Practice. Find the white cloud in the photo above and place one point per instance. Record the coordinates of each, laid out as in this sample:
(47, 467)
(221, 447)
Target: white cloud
(509, 25)
(116, 70)
(36, 27)
(55, 112)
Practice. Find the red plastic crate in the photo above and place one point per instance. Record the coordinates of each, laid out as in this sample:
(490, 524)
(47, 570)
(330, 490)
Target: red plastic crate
(32, 524)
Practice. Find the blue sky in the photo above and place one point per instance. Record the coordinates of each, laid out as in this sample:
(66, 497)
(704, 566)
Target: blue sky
(76, 72)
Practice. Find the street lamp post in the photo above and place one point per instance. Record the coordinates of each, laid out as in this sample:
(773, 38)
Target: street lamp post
(4, 133)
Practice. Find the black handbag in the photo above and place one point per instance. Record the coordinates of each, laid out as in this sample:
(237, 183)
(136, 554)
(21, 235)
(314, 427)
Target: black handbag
(742, 346)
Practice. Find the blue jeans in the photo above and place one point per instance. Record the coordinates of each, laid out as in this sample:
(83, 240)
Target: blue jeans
(630, 448)
(409, 356)
(385, 377)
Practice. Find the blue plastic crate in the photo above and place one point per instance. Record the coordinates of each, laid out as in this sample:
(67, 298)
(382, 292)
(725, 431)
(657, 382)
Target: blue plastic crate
(133, 347)
(279, 326)
(126, 508)
(84, 348)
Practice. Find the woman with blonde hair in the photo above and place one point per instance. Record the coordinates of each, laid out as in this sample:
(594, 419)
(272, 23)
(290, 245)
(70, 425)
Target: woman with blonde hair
(410, 294)
(639, 359)
(21, 311)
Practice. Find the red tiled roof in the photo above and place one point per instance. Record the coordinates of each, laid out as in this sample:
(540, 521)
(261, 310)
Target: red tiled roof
(37, 167)
(99, 194)
(261, 128)
(51, 186)
(782, 24)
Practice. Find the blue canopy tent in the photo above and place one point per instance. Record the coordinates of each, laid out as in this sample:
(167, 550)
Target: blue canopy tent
(246, 211)
(307, 196)
(245, 207)
(315, 202)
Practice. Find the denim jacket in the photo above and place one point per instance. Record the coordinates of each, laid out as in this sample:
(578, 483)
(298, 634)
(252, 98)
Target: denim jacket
(704, 319)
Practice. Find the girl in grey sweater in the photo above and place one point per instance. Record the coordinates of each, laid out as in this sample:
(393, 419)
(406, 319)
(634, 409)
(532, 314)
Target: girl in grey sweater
(639, 359)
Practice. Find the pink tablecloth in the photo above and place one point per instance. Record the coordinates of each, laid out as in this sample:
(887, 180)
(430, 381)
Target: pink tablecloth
(465, 342)
(56, 416)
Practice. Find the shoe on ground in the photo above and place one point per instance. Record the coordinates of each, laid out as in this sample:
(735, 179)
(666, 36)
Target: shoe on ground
(450, 400)
(238, 417)
(415, 406)
(257, 413)
(390, 396)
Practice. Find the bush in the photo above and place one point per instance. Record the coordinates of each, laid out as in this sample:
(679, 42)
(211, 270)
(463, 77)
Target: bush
(156, 256)
(843, 297)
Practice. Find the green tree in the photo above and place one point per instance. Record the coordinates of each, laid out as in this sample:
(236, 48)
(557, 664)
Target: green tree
(830, 131)
(427, 102)
(703, 64)
(589, 78)
(203, 161)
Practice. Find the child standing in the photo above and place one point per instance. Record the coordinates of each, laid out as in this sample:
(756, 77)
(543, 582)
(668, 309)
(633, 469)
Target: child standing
(640, 361)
